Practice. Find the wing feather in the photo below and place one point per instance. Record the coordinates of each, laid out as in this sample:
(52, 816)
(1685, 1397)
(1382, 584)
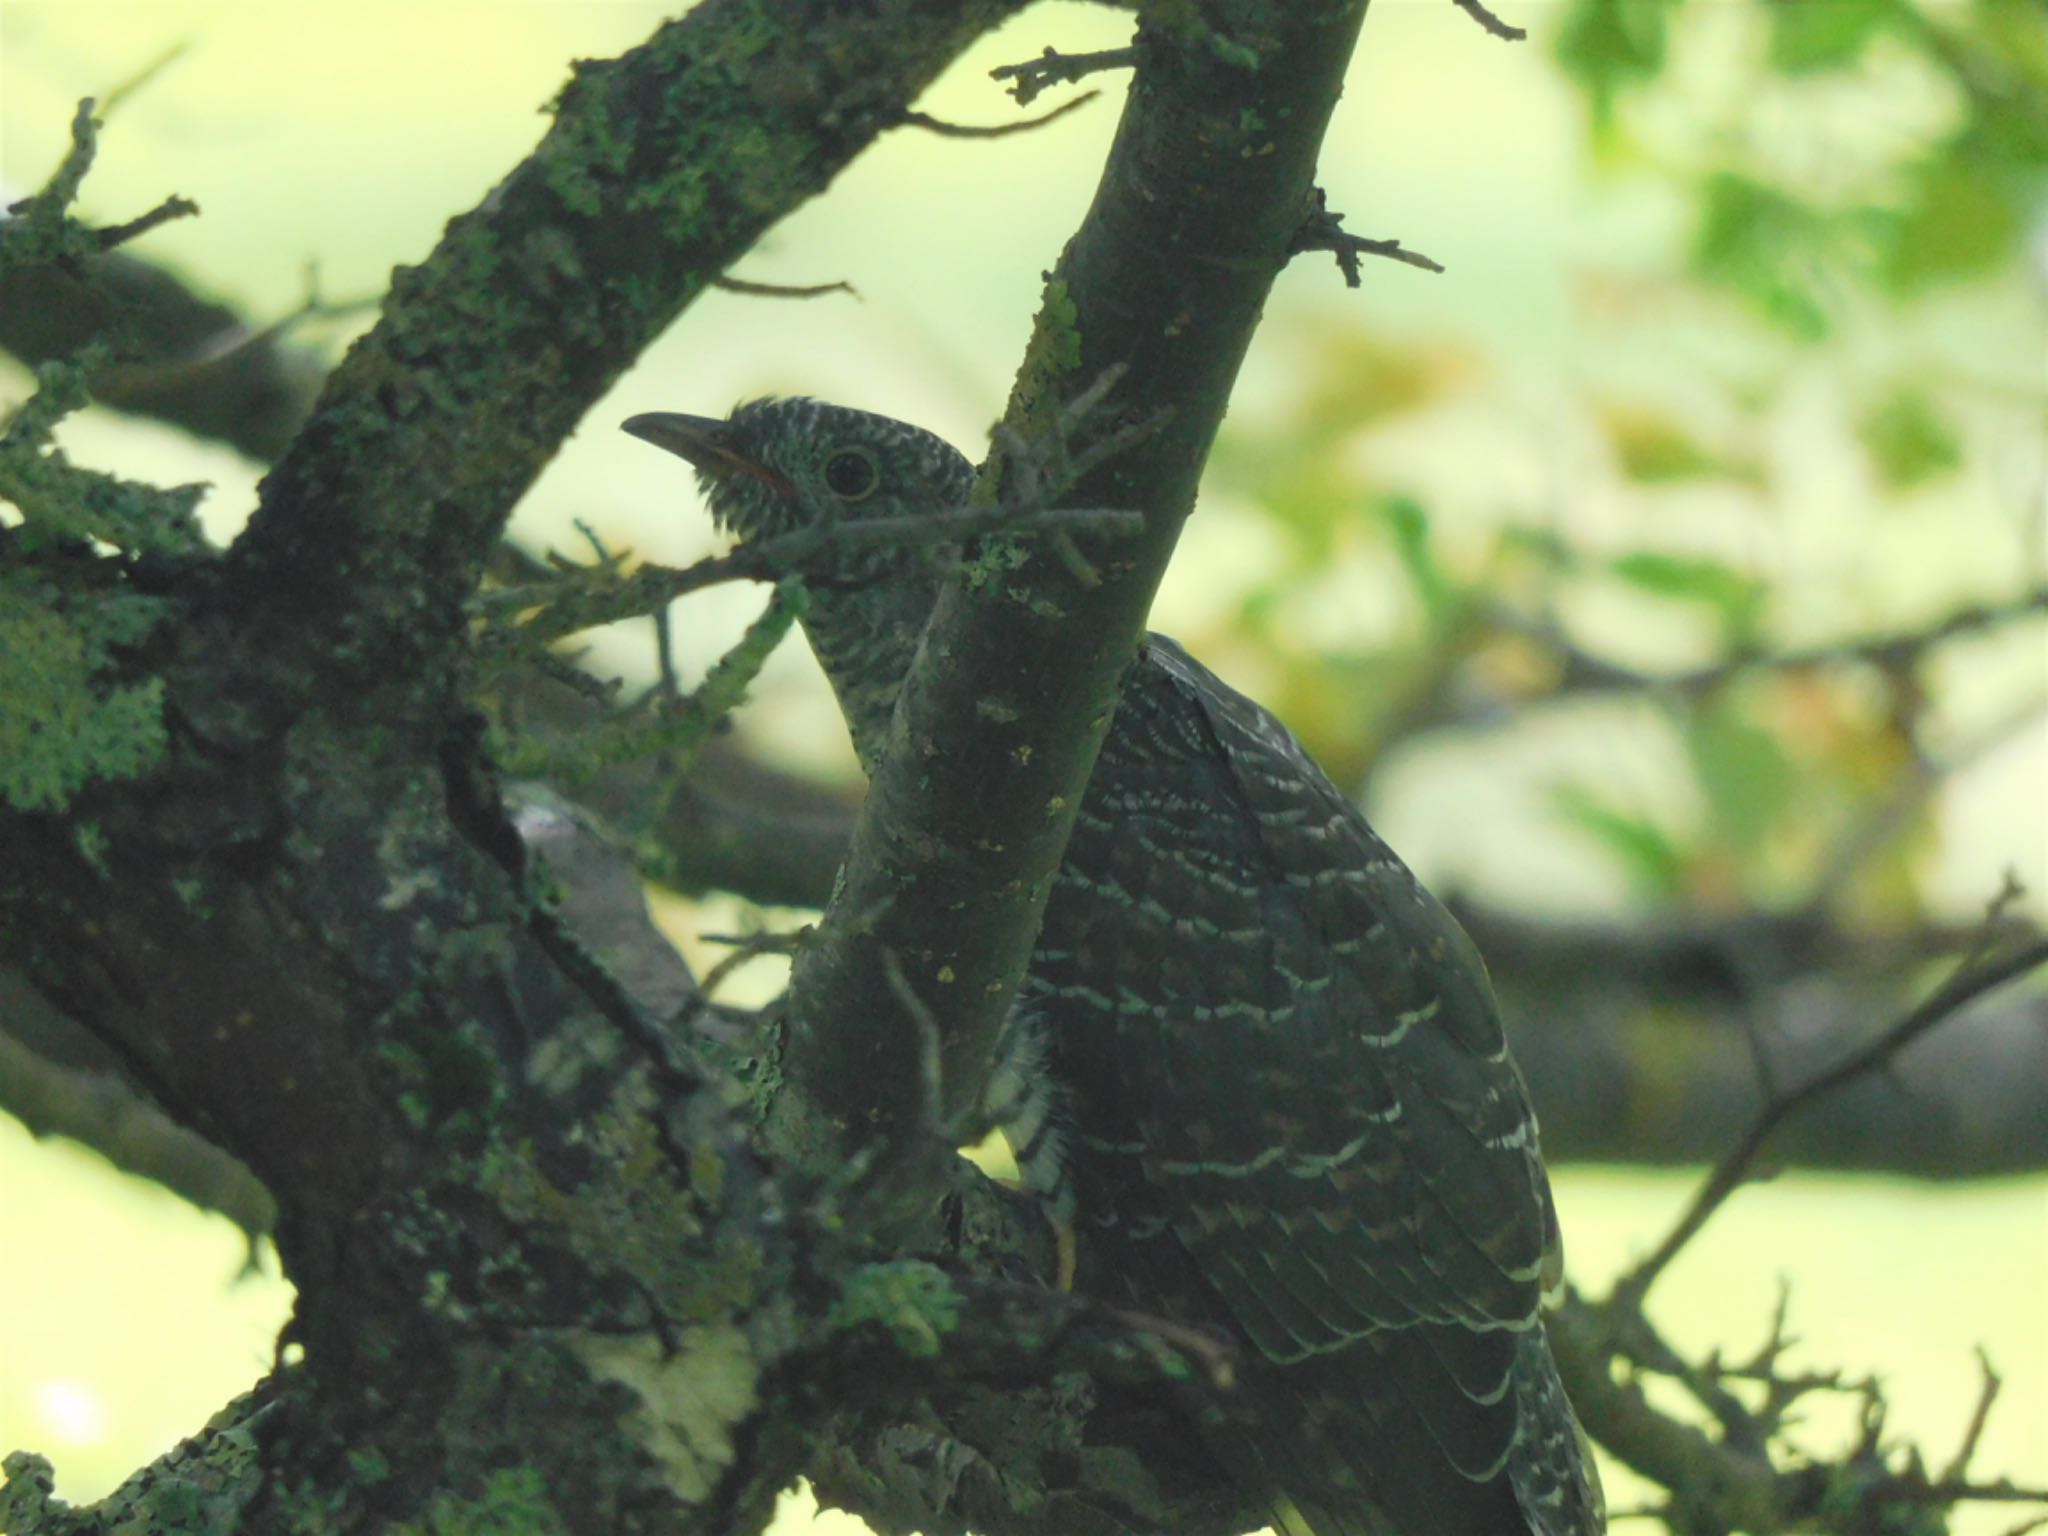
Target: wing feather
(1299, 1120)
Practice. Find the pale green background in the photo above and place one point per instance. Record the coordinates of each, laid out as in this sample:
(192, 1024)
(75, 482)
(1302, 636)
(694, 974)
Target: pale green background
(346, 135)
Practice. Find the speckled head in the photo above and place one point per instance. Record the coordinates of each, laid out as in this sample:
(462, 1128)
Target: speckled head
(775, 466)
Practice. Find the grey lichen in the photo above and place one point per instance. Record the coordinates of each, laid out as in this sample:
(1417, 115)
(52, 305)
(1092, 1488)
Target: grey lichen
(634, 1216)
(67, 723)
(60, 501)
(693, 1395)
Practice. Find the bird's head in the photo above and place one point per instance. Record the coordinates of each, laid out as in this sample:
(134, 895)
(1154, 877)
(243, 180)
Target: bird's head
(777, 466)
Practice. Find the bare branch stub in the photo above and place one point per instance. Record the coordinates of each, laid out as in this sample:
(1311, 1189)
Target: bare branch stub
(1959, 1469)
(40, 227)
(173, 207)
(1323, 230)
(1055, 68)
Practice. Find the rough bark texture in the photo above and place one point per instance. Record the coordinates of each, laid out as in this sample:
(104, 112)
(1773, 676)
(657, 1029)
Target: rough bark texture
(1207, 185)
(544, 1276)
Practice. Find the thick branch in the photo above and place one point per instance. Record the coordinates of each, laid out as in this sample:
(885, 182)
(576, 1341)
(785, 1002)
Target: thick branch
(1001, 717)
(375, 525)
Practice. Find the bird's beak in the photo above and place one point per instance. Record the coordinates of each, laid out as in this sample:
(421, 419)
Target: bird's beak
(705, 442)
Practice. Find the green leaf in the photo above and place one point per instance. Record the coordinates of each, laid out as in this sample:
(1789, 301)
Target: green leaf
(1733, 595)
(1653, 863)
(1654, 448)
(1908, 440)
(1766, 246)
(1607, 46)
(1409, 524)
(1809, 35)
(1742, 772)
(1956, 218)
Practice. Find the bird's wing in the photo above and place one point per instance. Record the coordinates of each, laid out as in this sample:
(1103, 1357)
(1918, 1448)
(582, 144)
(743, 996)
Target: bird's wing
(1295, 1107)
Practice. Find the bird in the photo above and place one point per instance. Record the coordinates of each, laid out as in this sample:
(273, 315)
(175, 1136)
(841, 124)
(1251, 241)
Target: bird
(1253, 1063)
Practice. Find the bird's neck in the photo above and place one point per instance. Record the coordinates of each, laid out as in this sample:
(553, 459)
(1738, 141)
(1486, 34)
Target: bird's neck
(865, 638)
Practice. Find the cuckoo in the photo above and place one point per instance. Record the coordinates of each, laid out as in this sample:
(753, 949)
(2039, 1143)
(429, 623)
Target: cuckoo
(1253, 1061)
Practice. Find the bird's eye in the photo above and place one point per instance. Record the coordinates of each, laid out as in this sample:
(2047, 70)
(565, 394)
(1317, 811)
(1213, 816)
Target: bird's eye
(852, 474)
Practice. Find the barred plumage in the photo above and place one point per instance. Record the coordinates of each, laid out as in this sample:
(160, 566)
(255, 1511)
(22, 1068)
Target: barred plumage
(1281, 1103)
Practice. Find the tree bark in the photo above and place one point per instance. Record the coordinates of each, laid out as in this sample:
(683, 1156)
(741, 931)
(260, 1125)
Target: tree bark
(544, 1274)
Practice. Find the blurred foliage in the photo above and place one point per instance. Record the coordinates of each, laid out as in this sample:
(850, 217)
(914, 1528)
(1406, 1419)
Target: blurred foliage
(1868, 176)
(1786, 230)
(1908, 439)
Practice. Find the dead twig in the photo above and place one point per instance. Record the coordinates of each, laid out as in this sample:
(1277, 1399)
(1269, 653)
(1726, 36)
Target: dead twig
(1054, 68)
(747, 948)
(782, 290)
(1492, 23)
(584, 597)
(174, 207)
(1975, 977)
(1323, 230)
(948, 130)
(1958, 1470)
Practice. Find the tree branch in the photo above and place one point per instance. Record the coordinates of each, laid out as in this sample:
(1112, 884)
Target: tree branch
(947, 130)
(375, 525)
(179, 357)
(1747, 1474)
(1323, 230)
(574, 598)
(1017, 679)
(1054, 68)
(1971, 980)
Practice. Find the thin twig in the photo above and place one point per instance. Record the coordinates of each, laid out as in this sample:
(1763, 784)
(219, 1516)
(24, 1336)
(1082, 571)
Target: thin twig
(1053, 68)
(665, 653)
(931, 1040)
(747, 949)
(782, 290)
(1323, 230)
(571, 674)
(798, 553)
(1967, 983)
(174, 207)
(1959, 1469)
(999, 131)
(142, 77)
(1492, 23)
